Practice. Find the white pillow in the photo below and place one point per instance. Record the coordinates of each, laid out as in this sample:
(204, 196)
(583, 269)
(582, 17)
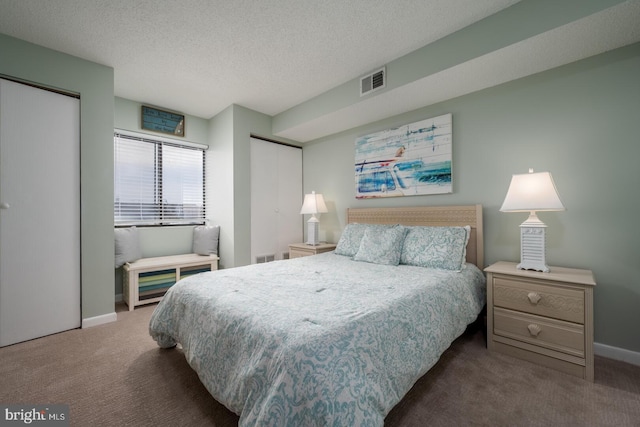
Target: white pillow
(205, 239)
(127, 245)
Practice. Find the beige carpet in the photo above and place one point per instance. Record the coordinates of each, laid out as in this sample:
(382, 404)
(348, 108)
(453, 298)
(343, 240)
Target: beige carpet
(114, 375)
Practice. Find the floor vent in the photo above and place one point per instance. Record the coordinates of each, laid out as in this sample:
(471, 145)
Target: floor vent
(285, 255)
(374, 81)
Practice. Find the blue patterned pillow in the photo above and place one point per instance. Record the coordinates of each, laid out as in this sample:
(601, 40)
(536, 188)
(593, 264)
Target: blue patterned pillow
(381, 246)
(444, 248)
(349, 241)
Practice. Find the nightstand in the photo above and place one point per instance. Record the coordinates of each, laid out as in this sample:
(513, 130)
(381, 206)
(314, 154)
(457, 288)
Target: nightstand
(297, 250)
(545, 318)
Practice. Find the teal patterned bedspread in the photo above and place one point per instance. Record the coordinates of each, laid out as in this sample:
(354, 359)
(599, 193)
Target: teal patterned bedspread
(316, 341)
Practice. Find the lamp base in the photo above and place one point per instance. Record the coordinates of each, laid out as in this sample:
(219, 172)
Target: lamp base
(312, 231)
(533, 267)
(532, 245)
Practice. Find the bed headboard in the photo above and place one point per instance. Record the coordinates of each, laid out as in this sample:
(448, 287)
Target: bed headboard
(432, 216)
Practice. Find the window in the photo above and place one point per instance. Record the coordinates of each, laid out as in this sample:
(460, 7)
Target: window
(157, 182)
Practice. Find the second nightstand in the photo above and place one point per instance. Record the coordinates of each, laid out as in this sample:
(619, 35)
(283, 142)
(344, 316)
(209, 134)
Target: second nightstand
(545, 318)
(297, 250)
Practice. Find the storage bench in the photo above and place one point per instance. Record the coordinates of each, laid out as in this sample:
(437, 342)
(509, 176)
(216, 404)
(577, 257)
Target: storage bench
(146, 280)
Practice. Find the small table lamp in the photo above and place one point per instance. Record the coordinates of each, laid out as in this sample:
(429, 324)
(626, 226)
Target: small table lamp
(530, 193)
(313, 204)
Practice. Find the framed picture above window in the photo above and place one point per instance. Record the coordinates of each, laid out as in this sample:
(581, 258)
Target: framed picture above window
(411, 160)
(162, 121)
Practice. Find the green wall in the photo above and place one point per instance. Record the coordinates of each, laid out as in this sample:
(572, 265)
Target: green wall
(94, 83)
(220, 186)
(128, 116)
(229, 186)
(580, 122)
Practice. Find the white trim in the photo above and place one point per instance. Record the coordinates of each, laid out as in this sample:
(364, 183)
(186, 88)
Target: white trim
(99, 320)
(617, 353)
(155, 137)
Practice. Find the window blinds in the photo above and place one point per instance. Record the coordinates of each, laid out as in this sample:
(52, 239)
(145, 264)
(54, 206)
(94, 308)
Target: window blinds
(157, 182)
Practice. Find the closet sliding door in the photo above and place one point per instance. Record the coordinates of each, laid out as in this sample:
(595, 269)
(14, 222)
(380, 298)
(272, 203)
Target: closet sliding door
(40, 212)
(276, 199)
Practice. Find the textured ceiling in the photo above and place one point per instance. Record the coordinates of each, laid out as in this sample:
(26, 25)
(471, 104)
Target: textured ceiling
(200, 56)
(600, 32)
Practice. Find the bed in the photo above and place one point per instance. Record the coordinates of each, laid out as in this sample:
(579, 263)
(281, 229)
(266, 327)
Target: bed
(336, 338)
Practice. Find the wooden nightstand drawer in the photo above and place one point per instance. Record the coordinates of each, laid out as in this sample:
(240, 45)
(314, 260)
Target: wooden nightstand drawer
(531, 297)
(553, 334)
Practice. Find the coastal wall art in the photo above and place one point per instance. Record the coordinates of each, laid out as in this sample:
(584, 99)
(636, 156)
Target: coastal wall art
(410, 160)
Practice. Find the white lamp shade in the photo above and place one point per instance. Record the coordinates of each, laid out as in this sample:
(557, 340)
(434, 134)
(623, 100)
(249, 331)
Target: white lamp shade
(532, 192)
(313, 204)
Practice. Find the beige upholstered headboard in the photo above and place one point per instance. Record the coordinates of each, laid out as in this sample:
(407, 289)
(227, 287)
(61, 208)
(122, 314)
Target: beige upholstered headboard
(432, 216)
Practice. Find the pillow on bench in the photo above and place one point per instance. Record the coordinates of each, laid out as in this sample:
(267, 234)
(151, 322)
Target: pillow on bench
(127, 246)
(205, 239)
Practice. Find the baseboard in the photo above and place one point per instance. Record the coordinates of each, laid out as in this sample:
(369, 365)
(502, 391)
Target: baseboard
(119, 298)
(99, 320)
(616, 353)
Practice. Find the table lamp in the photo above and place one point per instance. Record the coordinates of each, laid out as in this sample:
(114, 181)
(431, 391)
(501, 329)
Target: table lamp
(313, 204)
(532, 192)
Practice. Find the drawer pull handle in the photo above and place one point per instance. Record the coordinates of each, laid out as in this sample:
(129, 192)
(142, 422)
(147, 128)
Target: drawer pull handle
(534, 329)
(534, 298)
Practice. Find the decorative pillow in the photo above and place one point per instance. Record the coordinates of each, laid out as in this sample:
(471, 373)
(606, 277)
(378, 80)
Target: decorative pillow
(444, 248)
(381, 246)
(205, 239)
(349, 241)
(127, 246)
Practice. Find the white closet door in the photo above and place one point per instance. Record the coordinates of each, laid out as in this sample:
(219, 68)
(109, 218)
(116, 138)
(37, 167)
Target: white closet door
(276, 199)
(40, 215)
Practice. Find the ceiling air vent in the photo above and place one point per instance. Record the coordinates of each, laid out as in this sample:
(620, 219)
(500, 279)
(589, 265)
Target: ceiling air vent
(374, 81)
